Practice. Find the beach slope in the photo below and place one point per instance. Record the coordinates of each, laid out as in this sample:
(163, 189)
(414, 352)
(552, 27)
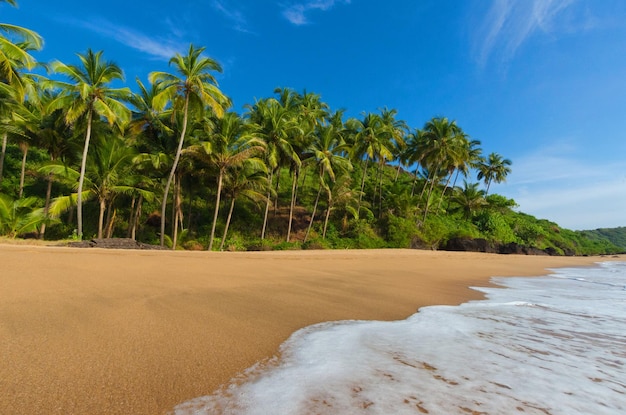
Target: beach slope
(137, 332)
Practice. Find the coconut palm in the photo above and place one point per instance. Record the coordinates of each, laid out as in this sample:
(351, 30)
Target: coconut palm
(109, 174)
(88, 95)
(194, 88)
(441, 138)
(14, 84)
(367, 143)
(16, 43)
(19, 216)
(392, 139)
(493, 169)
(327, 158)
(247, 181)
(469, 199)
(274, 124)
(230, 145)
(310, 112)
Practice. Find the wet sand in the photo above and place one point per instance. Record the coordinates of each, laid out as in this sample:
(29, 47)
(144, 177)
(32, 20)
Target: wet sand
(94, 331)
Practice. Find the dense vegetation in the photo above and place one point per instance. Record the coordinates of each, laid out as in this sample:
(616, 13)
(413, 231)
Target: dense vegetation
(615, 236)
(172, 164)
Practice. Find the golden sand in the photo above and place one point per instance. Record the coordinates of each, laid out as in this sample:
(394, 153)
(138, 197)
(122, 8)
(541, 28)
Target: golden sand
(93, 331)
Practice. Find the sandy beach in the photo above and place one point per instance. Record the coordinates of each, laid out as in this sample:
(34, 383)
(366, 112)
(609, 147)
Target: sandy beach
(94, 331)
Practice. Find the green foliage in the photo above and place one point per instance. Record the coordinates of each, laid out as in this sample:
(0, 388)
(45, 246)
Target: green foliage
(400, 232)
(614, 236)
(364, 236)
(252, 160)
(18, 217)
(494, 227)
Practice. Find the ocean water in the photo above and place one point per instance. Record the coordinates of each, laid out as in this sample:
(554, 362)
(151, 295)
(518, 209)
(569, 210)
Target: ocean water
(547, 345)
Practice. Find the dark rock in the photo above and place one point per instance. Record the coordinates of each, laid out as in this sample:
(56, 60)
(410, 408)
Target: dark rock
(113, 243)
(469, 245)
(418, 243)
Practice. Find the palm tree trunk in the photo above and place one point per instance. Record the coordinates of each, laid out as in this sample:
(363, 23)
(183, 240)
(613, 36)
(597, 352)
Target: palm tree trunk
(362, 183)
(277, 186)
(380, 191)
(111, 215)
(230, 215)
(81, 179)
(24, 148)
(430, 191)
(177, 210)
(101, 217)
(294, 189)
(330, 203)
(137, 216)
(456, 177)
(428, 180)
(174, 166)
(217, 207)
(267, 204)
(397, 173)
(414, 182)
(3, 153)
(46, 206)
(444, 190)
(317, 199)
(131, 218)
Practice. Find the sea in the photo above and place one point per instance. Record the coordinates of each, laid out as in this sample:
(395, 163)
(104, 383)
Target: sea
(554, 344)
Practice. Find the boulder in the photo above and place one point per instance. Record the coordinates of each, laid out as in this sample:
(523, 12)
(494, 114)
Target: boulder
(114, 243)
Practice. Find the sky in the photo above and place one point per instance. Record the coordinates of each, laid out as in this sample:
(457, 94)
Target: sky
(540, 82)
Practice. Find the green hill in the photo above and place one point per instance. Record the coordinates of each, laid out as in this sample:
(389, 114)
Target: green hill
(616, 236)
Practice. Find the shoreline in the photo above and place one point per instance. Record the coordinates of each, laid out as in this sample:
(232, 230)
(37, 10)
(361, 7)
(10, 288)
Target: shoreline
(120, 331)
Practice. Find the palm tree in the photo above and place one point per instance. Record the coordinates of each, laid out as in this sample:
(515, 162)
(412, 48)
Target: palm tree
(88, 95)
(229, 147)
(109, 174)
(16, 43)
(469, 199)
(18, 216)
(327, 158)
(193, 88)
(310, 112)
(494, 169)
(440, 145)
(248, 181)
(14, 86)
(274, 124)
(27, 118)
(391, 141)
(368, 143)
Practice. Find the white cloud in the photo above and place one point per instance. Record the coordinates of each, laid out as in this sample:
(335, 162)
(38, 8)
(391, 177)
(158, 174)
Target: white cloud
(296, 13)
(510, 23)
(234, 15)
(555, 184)
(157, 47)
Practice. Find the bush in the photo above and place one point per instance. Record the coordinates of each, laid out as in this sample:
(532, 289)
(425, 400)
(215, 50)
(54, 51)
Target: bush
(400, 232)
(494, 227)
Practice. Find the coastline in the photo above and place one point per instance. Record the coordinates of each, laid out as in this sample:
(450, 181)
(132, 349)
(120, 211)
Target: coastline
(116, 332)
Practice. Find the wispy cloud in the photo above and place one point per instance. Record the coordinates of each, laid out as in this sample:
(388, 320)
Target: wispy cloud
(158, 47)
(236, 16)
(296, 13)
(558, 184)
(510, 23)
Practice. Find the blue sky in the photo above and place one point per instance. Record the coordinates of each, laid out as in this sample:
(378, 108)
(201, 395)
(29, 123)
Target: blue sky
(541, 82)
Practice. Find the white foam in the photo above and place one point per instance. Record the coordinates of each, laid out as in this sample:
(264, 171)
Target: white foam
(538, 345)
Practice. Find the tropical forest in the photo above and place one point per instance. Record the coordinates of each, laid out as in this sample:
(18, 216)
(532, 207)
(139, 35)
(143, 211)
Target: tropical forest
(169, 163)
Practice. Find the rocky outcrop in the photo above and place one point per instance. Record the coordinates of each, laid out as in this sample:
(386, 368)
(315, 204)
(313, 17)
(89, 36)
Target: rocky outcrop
(113, 243)
(482, 245)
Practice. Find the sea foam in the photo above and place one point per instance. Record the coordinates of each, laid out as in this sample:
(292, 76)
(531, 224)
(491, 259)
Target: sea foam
(546, 345)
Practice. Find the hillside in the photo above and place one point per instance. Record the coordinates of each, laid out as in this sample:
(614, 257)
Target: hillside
(615, 236)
